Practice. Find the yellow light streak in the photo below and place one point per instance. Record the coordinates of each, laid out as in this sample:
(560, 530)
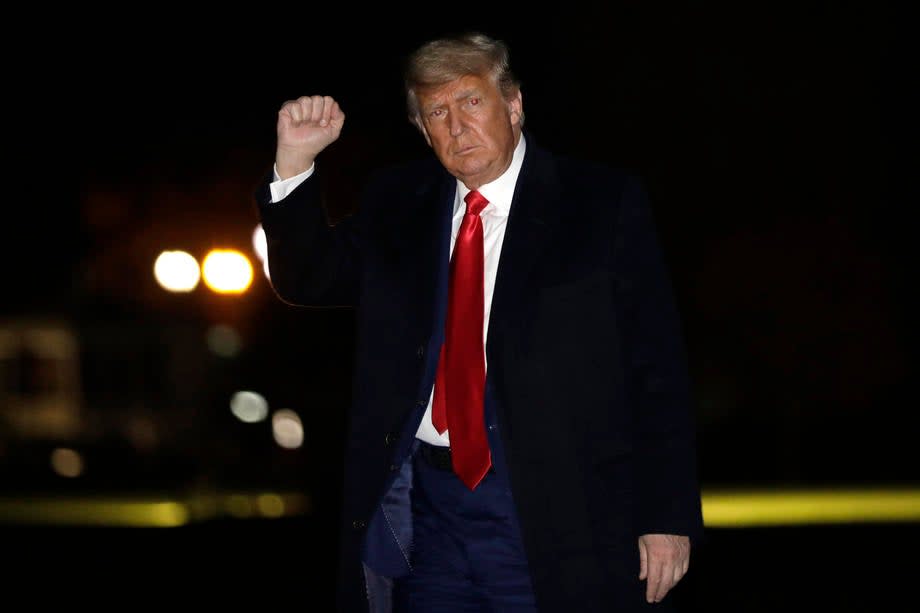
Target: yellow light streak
(752, 508)
(95, 512)
(138, 511)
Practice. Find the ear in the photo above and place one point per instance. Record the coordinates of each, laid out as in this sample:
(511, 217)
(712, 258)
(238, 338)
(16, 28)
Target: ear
(516, 107)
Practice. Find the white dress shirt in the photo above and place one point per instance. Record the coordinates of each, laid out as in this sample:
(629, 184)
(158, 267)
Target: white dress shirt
(494, 219)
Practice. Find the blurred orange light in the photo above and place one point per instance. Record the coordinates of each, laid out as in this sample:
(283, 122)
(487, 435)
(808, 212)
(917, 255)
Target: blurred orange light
(227, 271)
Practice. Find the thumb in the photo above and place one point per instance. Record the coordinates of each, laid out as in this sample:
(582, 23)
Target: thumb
(337, 117)
(643, 560)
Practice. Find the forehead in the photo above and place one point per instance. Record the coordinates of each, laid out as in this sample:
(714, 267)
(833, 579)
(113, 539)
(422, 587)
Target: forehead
(458, 89)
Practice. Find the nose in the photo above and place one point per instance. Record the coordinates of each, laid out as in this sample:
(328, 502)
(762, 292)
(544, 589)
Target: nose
(456, 124)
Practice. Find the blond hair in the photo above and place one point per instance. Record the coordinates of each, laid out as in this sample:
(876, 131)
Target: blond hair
(446, 59)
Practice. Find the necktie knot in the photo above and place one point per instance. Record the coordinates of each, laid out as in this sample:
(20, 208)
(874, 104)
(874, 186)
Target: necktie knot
(475, 202)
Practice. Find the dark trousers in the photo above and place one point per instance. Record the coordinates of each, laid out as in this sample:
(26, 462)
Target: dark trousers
(467, 554)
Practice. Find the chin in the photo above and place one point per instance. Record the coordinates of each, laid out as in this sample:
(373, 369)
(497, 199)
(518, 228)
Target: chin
(473, 166)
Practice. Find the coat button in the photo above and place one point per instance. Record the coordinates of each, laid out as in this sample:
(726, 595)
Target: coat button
(421, 403)
(420, 352)
(390, 438)
(358, 524)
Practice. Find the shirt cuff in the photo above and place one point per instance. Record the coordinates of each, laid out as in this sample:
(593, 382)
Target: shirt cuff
(280, 188)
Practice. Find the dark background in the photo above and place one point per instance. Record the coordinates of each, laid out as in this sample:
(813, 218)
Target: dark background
(777, 143)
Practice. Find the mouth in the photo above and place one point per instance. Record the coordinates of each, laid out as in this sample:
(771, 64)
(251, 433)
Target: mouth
(465, 150)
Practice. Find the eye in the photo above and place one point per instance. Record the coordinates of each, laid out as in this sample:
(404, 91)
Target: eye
(434, 114)
(475, 101)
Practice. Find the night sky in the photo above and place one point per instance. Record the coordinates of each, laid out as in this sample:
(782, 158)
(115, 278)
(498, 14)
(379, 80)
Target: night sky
(774, 143)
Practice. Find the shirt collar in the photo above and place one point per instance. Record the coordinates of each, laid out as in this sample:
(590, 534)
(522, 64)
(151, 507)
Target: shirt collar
(500, 191)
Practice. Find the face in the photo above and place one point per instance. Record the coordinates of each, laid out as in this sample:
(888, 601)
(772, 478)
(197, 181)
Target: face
(471, 127)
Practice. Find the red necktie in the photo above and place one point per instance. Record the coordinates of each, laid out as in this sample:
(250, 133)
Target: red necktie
(459, 388)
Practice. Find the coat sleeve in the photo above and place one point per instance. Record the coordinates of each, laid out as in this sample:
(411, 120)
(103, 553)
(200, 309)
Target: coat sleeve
(656, 375)
(311, 262)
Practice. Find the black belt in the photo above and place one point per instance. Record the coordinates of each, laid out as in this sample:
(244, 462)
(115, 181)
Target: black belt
(438, 456)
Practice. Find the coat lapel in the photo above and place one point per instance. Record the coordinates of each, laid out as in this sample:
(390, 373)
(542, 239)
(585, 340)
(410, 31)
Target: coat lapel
(531, 220)
(534, 214)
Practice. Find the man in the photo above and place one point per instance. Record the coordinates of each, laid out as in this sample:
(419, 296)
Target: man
(521, 436)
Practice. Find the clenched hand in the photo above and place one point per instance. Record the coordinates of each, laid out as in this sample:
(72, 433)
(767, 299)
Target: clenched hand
(305, 127)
